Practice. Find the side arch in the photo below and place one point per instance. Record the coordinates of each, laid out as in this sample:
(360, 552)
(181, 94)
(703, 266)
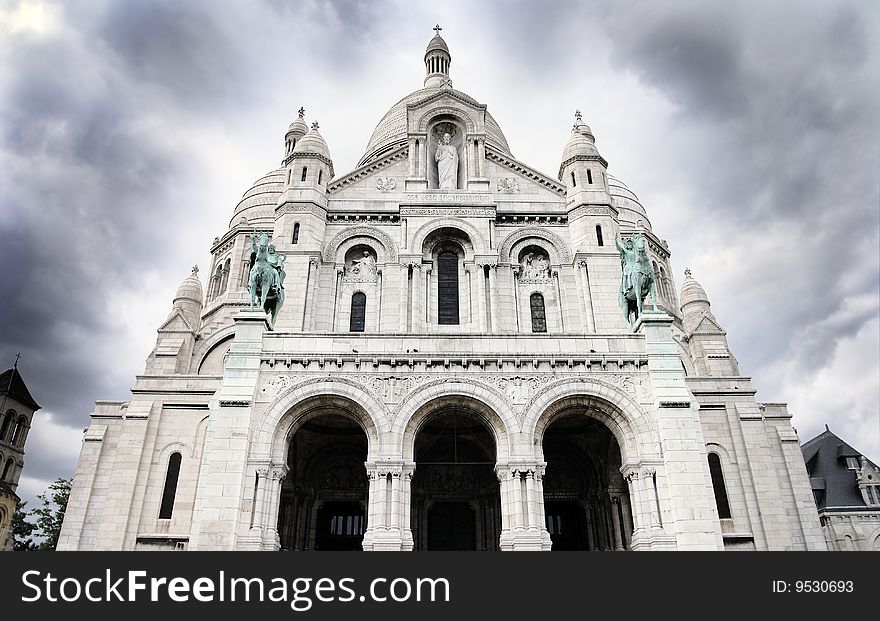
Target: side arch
(308, 399)
(608, 404)
(386, 244)
(505, 254)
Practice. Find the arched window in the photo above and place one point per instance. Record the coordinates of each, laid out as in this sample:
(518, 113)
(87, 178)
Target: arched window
(170, 490)
(6, 429)
(539, 317)
(216, 281)
(289, 175)
(718, 485)
(7, 469)
(447, 288)
(295, 239)
(599, 239)
(664, 284)
(18, 434)
(320, 175)
(358, 312)
(573, 180)
(589, 176)
(305, 171)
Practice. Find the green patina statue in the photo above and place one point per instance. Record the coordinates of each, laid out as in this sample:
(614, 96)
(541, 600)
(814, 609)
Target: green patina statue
(638, 277)
(266, 278)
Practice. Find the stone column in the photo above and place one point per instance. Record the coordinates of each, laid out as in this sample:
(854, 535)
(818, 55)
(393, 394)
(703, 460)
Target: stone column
(339, 273)
(379, 297)
(632, 481)
(616, 512)
(493, 298)
(258, 511)
(515, 270)
(481, 297)
(404, 297)
(586, 298)
(427, 313)
(275, 478)
(481, 157)
(650, 496)
(418, 287)
(559, 301)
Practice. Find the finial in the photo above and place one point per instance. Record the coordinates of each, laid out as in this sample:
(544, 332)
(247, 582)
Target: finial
(195, 270)
(302, 112)
(437, 29)
(315, 125)
(577, 115)
(687, 272)
(15, 364)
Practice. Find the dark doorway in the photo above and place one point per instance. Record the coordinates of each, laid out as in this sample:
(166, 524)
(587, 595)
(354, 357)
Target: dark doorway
(452, 526)
(324, 497)
(566, 525)
(456, 503)
(583, 473)
(341, 526)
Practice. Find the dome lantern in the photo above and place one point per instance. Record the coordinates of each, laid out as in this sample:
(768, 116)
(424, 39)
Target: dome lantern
(297, 130)
(437, 61)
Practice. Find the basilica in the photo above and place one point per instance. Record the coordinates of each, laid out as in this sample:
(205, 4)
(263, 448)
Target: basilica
(437, 351)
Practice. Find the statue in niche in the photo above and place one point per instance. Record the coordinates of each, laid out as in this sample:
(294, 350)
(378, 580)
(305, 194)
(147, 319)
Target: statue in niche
(446, 157)
(362, 268)
(535, 267)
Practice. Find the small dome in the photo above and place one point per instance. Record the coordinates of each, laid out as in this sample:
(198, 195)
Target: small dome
(312, 143)
(582, 127)
(437, 43)
(578, 144)
(299, 126)
(190, 289)
(261, 198)
(692, 291)
(629, 209)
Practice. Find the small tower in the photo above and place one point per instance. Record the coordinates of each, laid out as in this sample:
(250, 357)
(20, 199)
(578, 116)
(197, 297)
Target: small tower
(585, 175)
(437, 61)
(17, 409)
(297, 130)
(706, 339)
(176, 339)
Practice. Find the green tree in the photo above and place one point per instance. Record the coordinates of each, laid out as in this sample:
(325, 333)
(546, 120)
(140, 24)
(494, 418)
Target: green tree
(39, 528)
(22, 530)
(48, 518)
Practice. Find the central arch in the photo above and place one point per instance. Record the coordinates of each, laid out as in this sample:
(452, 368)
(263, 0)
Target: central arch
(455, 496)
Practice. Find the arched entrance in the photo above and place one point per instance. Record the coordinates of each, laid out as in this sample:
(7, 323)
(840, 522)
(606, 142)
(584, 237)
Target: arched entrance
(324, 496)
(456, 503)
(585, 499)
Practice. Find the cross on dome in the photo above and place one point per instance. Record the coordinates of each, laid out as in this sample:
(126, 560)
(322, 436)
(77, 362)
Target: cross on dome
(437, 29)
(302, 112)
(195, 270)
(315, 125)
(687, 272)
(577, 115)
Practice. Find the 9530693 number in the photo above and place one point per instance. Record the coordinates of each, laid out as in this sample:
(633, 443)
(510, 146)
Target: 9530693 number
(813, 586)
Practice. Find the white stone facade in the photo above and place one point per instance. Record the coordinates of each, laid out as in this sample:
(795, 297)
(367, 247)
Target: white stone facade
(451, 331)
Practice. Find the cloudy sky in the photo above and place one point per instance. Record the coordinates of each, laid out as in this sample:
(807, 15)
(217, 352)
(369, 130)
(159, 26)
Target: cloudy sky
(749, 130)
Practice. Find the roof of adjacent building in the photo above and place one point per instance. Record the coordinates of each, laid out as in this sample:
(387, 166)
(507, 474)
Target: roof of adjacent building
(12, 384)
(826, 466)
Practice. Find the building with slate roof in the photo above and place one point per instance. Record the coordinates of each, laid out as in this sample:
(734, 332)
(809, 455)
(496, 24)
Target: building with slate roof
(846, 486)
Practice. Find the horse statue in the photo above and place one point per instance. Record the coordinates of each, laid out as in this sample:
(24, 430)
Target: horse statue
(266, 278)
(638, 277)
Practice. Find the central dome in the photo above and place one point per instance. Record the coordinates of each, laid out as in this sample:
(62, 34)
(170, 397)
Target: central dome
(391, 131)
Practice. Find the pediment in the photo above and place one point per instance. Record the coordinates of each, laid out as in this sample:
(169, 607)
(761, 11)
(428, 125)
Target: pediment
(708, 325)
(176, 322)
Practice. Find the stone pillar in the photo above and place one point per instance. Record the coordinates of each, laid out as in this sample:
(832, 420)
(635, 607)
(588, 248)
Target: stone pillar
(380, 297)
(388, 527)
(404, 297)
(515, 274)
(586, 297)
(522, 509)
(560, 301)
(223, 485)
(274, 480)
(493, 298)
(481, 297)
(418, 288)
(257, 518)
(685, 487)
(619, 543)
(427, 313)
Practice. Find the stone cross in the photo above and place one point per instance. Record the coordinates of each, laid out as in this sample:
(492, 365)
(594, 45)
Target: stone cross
(687, 272)
(315, 125)
(577, 115)
(302, 112)
(437, 29)
(195, 270)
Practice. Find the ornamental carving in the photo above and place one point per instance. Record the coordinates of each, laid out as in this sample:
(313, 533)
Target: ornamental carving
(508, 185)
(534, 267)
(385, 184)
(519, 390)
